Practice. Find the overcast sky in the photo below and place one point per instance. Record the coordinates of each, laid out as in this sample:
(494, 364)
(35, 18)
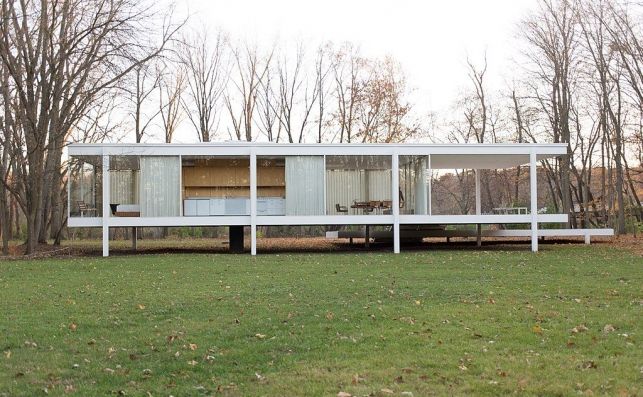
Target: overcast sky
(430, 38)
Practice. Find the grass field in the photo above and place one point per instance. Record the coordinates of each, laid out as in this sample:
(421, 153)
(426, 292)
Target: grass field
(564, 321)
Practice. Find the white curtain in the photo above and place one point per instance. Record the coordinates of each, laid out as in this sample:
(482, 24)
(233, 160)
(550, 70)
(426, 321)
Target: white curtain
(343, 187)
(123, 186)
(421, 186)
(159, 186)
(378, 185)
(305, 185)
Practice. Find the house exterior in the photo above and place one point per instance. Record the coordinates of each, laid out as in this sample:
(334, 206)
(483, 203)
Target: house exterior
(242, 184)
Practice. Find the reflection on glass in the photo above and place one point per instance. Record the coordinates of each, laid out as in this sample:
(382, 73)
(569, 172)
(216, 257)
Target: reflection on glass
(216, 185)
(414, 185)
(358, 185)
(85, 186)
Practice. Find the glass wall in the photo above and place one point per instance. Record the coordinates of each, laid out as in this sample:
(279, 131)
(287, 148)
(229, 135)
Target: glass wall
(290, 185)
(145, 186)
(358, 185)
(215, 186)
(85, 186)
(415, 185)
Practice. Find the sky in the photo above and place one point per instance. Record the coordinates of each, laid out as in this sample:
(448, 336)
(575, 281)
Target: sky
(431, 39)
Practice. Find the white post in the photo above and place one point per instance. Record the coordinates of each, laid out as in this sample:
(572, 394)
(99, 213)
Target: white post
(533, 192)
(395, 191)
(253, 202)
(106, 209)
(429, 187)
(478, 208)
(478, 198)
(180, 185)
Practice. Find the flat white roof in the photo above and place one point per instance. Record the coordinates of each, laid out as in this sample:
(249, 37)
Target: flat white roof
(443, 156)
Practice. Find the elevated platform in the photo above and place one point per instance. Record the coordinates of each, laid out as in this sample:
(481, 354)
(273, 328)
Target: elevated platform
(408, 234)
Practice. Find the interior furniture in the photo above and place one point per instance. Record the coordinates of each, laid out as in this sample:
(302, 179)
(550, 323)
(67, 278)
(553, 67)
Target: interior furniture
(85, 209)
(342, 209)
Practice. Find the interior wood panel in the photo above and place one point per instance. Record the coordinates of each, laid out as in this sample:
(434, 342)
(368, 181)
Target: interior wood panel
(231, 178)
(271, 176)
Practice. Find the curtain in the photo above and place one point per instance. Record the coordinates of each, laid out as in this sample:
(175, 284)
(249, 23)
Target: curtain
(124, 187)
(343, 187)
(159, 186)
(305, 185)
(420, 186)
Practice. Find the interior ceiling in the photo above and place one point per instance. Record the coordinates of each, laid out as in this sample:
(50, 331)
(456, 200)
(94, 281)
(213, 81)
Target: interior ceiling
(438, 161)
(479, 161)
(358, 162)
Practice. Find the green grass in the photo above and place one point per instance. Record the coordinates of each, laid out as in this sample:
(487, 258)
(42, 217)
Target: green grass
(431, 323)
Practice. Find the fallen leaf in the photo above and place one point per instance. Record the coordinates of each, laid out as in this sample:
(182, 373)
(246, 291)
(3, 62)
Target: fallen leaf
(260, 336)
(72, 327)
(589, 365)
(344, 394)
(192, 346)
(7, 354)
(193, 362)
(357, 379)
(141, 306)
(109, 370)
(330, 316)
(608, 328)
(387, 391)
(579, 328)
(537, 329)
(462, 367)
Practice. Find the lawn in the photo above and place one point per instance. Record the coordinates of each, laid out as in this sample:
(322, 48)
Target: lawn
(564, 321)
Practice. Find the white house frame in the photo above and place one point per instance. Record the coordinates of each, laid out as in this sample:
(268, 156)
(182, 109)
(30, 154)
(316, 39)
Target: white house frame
(439, 156)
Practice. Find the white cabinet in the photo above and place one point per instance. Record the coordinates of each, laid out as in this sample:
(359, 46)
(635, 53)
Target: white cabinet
(189, 207)
(217, 206)
(271, 206)
(203, 207)
(196, 207)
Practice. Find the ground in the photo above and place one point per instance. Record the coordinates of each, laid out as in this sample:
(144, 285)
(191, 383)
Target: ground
(458, 321)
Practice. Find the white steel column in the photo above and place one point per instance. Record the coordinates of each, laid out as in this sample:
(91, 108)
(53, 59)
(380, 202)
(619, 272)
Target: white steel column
(180, 185)
(106, 209)
(253, 202)
(533, 194)
(478, 198)
(478, 208)
(429, 185)
(395, 191)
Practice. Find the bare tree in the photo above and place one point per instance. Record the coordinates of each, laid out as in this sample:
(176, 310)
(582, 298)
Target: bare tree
(241, 100)
(171, 89)
(348, 69)
(207, 74)
(60, 56)
(297, 95)
(551, 35)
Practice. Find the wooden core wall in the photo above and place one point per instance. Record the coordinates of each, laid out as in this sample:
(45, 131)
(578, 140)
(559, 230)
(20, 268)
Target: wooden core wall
(231, 178)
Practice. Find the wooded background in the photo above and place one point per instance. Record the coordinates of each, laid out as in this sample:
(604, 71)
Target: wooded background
(113, 70)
